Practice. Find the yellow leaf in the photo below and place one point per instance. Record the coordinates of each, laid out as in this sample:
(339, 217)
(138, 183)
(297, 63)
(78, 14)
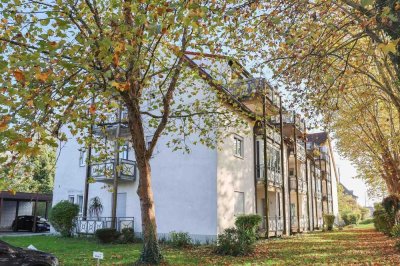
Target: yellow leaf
(389, 47)
(43, 76)
(19, 76)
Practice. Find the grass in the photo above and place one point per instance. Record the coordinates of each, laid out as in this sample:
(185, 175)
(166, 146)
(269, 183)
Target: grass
(358, 245)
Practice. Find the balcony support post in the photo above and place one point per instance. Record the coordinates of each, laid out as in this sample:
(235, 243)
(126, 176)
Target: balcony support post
(264, 103)
(322, 189)
(312, 176)
(116, 172)
(282, 166)
(308, 188)
(330, 180)
(295, 171)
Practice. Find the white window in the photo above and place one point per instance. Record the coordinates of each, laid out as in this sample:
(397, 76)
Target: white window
(71, 198)
(239, 203)
(79, 200)
(124, 152)
(238, 146)
(82, 157)
(148, 141)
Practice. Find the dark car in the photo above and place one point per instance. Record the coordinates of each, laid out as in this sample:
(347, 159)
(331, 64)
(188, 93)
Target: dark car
(26, 223)
(10, 256)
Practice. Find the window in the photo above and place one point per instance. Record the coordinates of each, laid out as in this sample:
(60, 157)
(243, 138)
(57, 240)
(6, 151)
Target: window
(239, 203)
(79, 200)
(124, 152)
(82, 157)
(71, 198)
(148, 141)
(238, 146)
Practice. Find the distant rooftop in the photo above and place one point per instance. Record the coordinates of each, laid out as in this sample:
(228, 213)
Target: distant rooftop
(317, 138)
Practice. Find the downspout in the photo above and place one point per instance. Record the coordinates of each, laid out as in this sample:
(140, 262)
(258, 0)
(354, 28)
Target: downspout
(88, 170)
(255, 164)
(116, 172)
(321, 176)
(265, 165)
(308, 190)
(312, 176)
(282, 167)
(296, 175)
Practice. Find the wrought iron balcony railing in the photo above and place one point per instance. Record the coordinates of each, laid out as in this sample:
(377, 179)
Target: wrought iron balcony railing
(275, 223)
(274, 177)
(104, 171)
(89, 225)
(302, 184)
(254, 86)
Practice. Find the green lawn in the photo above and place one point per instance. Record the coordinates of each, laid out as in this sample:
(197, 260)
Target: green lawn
(360, 245)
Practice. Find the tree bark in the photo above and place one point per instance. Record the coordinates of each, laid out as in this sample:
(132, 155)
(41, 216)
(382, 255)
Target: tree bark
(151, 251)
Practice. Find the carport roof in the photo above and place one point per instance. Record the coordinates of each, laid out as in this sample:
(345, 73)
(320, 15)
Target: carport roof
(6, 195)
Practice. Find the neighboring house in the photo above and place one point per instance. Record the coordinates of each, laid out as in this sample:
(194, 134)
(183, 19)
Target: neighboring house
(202, 192)
(349, 192)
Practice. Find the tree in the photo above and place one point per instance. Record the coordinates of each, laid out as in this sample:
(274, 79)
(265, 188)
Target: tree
(66, 63)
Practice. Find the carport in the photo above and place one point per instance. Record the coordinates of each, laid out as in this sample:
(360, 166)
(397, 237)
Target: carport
(13, 205)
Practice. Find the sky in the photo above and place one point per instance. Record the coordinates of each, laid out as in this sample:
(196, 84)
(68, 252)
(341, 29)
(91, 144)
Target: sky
(347, 174)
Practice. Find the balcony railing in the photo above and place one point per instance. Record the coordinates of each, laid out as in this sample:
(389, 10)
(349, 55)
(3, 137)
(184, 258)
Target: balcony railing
(250, 87)
(302, 184)
(111, 118)
(104, 171)
(275, 223)
(274, 178)
(91, 224)
(303, 222)
(301, 152)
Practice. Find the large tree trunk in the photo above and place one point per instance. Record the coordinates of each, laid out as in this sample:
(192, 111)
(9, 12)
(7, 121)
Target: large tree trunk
(151, 252)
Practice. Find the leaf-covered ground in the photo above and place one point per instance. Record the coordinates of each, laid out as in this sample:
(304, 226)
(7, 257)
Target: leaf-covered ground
(358, 246)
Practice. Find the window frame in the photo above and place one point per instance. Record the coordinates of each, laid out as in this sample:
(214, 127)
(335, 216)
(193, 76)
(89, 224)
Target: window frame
(240, 139)
(71, 197)
(236, 193)
(82, 157)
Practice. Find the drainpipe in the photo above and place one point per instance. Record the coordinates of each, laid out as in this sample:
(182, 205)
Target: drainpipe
(308, 190)
(88, 170)
(255, 164)
(322, 197)
(265, 163)
(296, 175)
(312, 176)
(282, 167)
(116, 172)
(330, 175)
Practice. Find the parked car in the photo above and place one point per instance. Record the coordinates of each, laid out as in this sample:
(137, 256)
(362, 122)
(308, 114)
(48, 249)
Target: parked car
(10, 256)
(25, 222)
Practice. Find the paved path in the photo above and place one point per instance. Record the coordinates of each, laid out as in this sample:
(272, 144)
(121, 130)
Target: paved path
(22, 233)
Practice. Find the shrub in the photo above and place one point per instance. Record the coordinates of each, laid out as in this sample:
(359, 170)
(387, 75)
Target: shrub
(180, 239)
(62, 217)
(395, 231)
(383, 221)
(367, 221)
(329, 220)
(107, 235)
(127, 235)
(240, 240)
(351, 218)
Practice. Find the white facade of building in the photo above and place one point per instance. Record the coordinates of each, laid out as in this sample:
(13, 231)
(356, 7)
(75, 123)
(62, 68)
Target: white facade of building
(202, 192)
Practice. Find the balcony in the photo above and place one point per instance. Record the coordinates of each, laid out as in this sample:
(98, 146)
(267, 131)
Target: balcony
(274, 178)
(301, 151)
(275, 223)
(303, 223)
(302, 184)
(245, 90)
(104, 171)
(88, 226)
(288, 119)
(107, 125)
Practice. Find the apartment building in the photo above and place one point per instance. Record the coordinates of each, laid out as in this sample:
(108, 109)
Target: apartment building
(271, 167)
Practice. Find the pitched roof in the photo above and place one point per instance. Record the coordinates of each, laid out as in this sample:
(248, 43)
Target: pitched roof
(318, 138)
